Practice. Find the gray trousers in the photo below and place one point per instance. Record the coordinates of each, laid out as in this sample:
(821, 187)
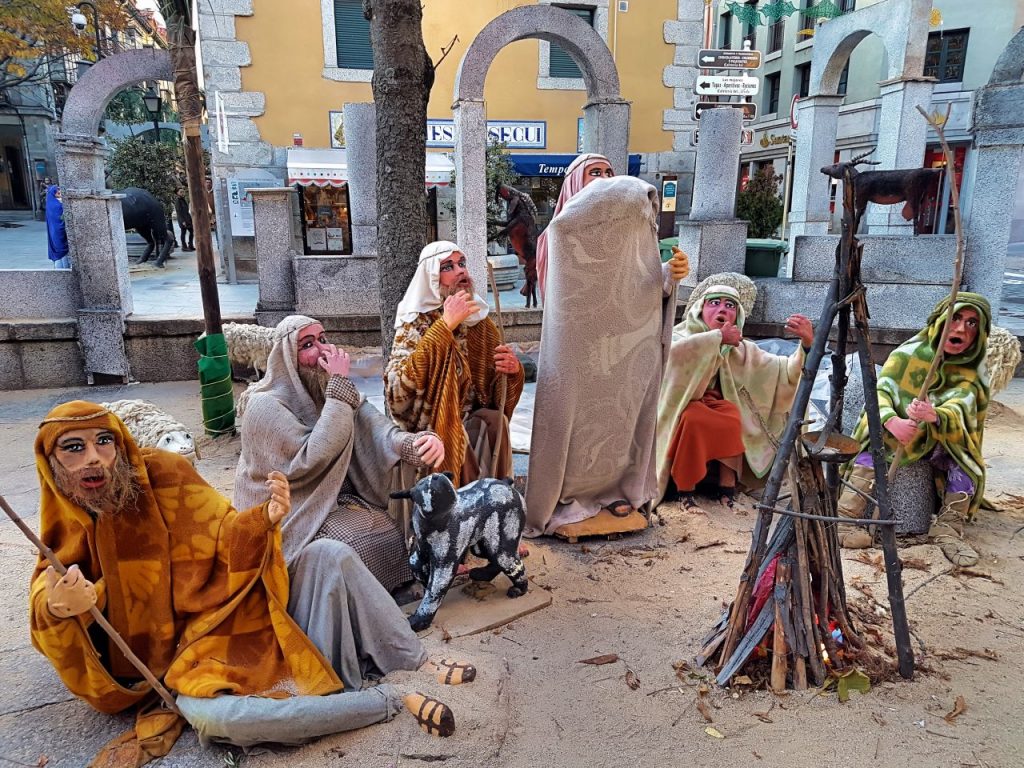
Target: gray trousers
(357, 626)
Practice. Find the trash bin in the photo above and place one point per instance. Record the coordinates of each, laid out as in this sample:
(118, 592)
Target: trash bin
(665, 246)
(763, 257)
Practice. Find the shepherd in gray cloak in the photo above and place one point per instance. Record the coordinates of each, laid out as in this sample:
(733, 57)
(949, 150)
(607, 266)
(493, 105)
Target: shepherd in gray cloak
(341, 455)
(608, 314)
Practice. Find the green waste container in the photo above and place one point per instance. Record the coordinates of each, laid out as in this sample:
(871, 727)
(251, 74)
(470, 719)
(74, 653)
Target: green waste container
(665, 246)
(763, 257)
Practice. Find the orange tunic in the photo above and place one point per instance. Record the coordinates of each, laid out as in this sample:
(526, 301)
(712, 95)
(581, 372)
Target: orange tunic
(708, 430)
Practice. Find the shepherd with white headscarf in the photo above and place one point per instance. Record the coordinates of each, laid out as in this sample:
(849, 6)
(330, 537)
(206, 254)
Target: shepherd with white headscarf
(446, 367)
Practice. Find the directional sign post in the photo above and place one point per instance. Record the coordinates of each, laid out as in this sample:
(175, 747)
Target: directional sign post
(711, 58)
(746, 137)
(727, 85)
(749, 110)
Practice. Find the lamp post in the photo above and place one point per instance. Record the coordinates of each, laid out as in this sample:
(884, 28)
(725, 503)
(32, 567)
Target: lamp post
(153, 104)
(79, 22)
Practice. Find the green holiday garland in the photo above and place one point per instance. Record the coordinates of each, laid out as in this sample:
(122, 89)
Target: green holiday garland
(776, 9)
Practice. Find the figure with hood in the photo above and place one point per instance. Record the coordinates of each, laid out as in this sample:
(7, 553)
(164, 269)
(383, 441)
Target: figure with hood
(56, 230)
(946, 429)
(609, 307)
(721, 392)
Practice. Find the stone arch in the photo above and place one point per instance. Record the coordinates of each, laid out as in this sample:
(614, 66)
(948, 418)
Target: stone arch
(1009, 68)
(606, 114)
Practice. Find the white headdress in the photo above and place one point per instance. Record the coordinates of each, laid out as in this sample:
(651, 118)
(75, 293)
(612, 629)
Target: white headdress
(424, 291)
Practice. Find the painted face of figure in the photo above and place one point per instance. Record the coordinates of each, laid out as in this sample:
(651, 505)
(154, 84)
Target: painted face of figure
(718, 311)
(454, 274)
(963, 331)
(599, 169)
(90, 471)
(312, 341)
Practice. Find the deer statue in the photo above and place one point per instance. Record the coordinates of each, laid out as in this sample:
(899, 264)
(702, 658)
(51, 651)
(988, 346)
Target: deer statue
(521, 229)
(905, 185)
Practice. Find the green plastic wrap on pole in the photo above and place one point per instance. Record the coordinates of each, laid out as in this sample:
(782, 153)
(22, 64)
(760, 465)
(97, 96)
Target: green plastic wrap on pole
(215, 385)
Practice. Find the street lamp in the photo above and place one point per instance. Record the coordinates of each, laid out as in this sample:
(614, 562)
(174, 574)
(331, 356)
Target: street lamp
(153, 104)
(79, 22)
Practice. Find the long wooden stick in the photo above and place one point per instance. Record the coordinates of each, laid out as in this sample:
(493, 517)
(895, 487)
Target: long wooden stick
(958, 269)
(97, 615)
(503, 382)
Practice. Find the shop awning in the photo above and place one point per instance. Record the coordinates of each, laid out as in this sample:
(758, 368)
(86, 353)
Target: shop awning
(329, 168)
(555, 165)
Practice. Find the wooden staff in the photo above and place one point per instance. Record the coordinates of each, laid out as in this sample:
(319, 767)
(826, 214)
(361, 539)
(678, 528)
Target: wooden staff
(958, 269)
(503, 382)
(97, 615)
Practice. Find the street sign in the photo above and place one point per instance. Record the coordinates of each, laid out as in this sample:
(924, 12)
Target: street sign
(746, 137)
(727, 85)
(712, 58)
(749, 110)
(792, 112)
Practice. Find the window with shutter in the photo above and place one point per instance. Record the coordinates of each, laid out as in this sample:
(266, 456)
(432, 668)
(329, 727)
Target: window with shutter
(352, 35)
(561, 64)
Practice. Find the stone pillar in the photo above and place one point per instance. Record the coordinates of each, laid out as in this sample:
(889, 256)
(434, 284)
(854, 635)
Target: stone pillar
(718, 155)
(471, 187)
(606, 131)
(276, 246)
(80, 161)
(815, 146)
(361, 154)
(902, 138)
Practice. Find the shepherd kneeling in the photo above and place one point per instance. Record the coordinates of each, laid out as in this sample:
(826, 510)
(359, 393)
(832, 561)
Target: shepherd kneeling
(721, 393)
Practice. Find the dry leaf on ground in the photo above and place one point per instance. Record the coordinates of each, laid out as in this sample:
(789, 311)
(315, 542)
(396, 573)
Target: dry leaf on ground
(608, 658)
(631, 679)
(959, 707)
(714, 732)
(702, 707)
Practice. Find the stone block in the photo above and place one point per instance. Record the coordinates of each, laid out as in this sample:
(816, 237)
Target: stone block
(361, 153)
(101, 333)
(714, 181)
(38, 293)
(675, 116)
(216, 26)
(924, 259)
(679, 76)
(677, 162)
(233, 7)
(222, 79)
(250, 103)
(683, 98)
(275, 246)
(606, 130)
(336, 285)
(685, 55)
(364, 240)
(226, 53)
(99, 256)
(713, 246)
(242, 129)
(11, 375)
(682, 140)
(161, 357)
(684, 32)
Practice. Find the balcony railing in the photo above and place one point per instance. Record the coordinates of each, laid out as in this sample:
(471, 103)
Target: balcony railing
(775, 34)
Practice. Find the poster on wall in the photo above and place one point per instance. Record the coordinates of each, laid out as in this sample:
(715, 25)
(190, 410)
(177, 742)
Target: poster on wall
(240, 203)
(337, 119)
(316, 239)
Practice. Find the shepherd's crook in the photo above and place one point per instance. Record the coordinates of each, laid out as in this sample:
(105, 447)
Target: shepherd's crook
(97, 615)
(503, 386)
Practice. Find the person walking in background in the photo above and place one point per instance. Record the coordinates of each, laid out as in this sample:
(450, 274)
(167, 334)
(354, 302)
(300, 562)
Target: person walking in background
(56, 231)
(181, 208)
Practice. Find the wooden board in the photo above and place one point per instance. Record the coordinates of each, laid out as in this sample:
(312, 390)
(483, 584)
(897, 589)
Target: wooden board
(461, 614)
(604, 523)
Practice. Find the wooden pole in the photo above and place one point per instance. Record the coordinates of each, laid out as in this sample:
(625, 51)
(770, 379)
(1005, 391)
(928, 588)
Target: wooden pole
(503, 382)
(97, 615)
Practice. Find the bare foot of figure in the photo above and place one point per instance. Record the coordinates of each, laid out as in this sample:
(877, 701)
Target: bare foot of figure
(689, 502)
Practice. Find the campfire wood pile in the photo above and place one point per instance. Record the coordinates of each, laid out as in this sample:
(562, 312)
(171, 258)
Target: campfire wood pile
(796, 619)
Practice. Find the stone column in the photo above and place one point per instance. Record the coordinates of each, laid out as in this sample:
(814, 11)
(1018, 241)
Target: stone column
(276, 246)
(471, 187)
(815, 147)
(606, 131)
(718, 155)
(902, 138)
(80, 161)
(361, 155)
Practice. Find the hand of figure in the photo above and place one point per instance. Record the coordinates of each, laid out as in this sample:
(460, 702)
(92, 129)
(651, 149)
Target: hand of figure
(801, 327)
(457, 308)
(678, 265)
(505, 360)
(903, 430)
(430, 450)
(731, 335)
(922, 410)
(69, 595)
(280, 497)
(335, 361)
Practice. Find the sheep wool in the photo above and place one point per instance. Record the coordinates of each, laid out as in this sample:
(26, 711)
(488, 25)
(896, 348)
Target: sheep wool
(152, 427)
(249, 344)
(1001, 358)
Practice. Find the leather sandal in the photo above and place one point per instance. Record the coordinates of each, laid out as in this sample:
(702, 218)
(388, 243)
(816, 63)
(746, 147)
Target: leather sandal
(451, 672)
(620, 508)
(433, 717)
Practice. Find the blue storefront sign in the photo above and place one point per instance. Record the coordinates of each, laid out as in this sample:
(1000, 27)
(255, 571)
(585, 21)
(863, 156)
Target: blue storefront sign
(516, 134)
(555, 165)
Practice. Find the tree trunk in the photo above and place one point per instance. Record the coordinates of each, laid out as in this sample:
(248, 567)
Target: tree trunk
(402, 77)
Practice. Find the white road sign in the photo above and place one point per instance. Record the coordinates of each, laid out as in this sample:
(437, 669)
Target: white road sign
(727, 85)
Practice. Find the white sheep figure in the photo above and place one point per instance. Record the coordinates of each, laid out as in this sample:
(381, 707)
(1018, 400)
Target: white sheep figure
(1001, 358)
(154, 428)
(249, 345)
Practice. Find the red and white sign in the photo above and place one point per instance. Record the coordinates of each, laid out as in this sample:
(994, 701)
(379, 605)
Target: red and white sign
(792, 112)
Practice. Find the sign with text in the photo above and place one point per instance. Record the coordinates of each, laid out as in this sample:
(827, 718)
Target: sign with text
(749, 110)
(516, 134)
(746, 137)
(714, 58)
(669, 190)
(240, 204)
(727, 85)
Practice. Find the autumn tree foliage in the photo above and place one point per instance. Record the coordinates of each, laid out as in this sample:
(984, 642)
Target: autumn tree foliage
(34, 31)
